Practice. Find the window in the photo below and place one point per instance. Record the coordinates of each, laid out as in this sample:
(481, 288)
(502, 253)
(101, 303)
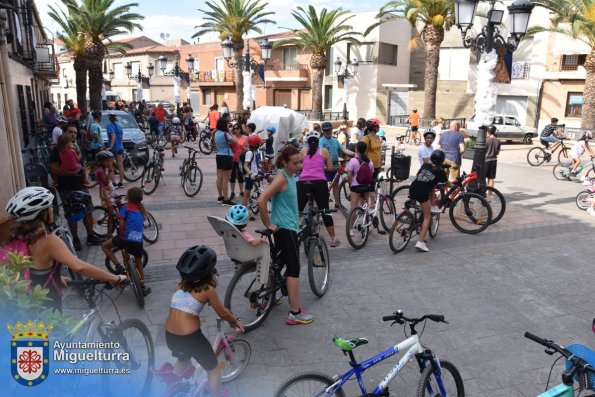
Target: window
(118, 71)
(289, 58)
(572, 62)
(135, 67)
(329, 62)
(387, 54)
(219, 65)
(454, 64)
(328, 96)
(364, 52)
(206, 97)
(574, 104)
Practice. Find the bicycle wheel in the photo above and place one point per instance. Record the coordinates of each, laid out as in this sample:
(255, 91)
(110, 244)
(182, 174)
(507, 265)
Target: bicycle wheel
(344, 197)
(561, 172)
(388, 214)
(151, 233)
(100, 219)
(253, 201)
(109, 265)
(564, 155)
(400, 232)
(150, 179)
(248, 299)
(307, 384)
(399, 196)
(319, 266)
(205, 145)
(357, 234)
(434, 224)
(536, 156)
(449, 381)
(233, 359)
(470, 213)
(583, 200)
(408, 136)
(497, 202)
(92, 179)
(192, 181)
(133, 168)
(133, 337)
(136, 285)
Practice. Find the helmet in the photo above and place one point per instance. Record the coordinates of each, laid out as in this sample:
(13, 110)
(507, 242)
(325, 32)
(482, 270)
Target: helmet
(238, 215)
(61, 120)
(175, 120)
(271, 129)
(437, 157)
(295, 142)
(327, 126)
(96, 114)
(430, 131)
(112, 115)
(373, 123)
(29, 202)
(254, 140)
(381, 133)
(313, 135)
(103, 155)
(196, 263)
(587, 135)
(414, 110)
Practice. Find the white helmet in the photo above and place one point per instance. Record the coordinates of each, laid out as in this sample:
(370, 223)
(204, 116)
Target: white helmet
(313, 134)
(29, 202)
(175, 120)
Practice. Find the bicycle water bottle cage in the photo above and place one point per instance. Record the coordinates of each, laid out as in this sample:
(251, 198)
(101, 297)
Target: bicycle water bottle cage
(348, 345)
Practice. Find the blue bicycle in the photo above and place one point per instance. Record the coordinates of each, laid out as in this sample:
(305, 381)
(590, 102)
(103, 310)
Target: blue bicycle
(439, 378)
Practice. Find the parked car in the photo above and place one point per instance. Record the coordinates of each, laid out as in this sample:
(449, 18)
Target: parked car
(134, 139)
(170, 107)
(508, 128)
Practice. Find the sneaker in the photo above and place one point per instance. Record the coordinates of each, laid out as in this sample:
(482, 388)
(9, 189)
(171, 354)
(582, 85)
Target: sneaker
(220, 199)
(76, 243)
(591, 211)
(146, 290)
(228, 203)
(301, 318)
(421, 246)
(278, 301)
(335, 242)
(120, 269)
(94, 240)
(435, 210)
(119, 184)
(232, 195)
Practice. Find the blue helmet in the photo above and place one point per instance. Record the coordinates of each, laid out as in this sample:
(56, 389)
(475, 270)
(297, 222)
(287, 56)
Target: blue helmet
(381, 133)
(326, 126)
(272, 129)
(238, 215)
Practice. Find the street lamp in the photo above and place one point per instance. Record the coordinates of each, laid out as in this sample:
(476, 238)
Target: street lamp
(246, 62)
(487, 40)
(138, 76)
(345, 74)
(176, 71)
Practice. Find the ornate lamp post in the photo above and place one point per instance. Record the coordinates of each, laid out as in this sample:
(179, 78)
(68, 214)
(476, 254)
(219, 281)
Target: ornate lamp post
(346, 75)
(138, 77)
(486, 41)
(176, 72)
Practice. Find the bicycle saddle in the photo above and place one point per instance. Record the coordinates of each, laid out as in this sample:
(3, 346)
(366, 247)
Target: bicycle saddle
(349, 344)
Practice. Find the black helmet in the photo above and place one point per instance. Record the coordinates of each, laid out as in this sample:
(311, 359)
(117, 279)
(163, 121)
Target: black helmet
(437, 157)
(327, 126)
(96, 114)
(430, 131)
(196, 263)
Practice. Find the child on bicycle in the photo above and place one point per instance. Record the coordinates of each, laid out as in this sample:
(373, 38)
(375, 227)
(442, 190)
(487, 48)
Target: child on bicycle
(251, 163)
(579, 149)
(175, 135)
(360, 188)
(130, 235)
(104, 174)
(196, 290)
(238, 216)
(428, 176)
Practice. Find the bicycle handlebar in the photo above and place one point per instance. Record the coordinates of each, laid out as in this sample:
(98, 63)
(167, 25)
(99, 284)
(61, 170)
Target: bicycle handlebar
(87, 283)
(401, 319)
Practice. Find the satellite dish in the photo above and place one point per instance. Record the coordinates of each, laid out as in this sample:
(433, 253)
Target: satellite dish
(162, 35)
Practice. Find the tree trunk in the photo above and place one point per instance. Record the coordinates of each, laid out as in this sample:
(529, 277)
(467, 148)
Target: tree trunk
(80, 70)
(432, 37)
(317, 80)
(95, 83)
(588, 109)
(238, 46)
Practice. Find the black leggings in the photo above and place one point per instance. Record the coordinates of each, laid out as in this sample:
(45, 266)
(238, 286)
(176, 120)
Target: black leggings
(319, 190)
(236, 172)
(286, 241)
(195, 345)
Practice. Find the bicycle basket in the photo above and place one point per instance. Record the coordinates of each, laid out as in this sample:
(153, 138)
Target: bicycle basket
(589, 356)
(401, 166)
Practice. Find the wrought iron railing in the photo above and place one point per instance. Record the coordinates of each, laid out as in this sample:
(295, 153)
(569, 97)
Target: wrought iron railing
(402, 120)
(324, 116)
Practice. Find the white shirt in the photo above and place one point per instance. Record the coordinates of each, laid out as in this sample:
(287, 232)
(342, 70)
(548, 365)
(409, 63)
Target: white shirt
(578, 149)
(253, 164)
(424, 152)
(438, 132)
(56, 132)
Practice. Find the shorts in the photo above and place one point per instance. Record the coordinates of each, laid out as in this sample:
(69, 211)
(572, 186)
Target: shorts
(224, 163)
(414, 128)
(550, 138)
(195, 345)
(73, 209)
(248, 184)
(491, 169)
(372, 185)
(115, 152)
(286, 241)
(330, 175)
(134, 249)
(361, 189)
(174, 138)
(421, 196)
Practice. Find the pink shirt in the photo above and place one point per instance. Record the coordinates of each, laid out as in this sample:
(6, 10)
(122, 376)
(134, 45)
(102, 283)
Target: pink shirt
(313, 167)
(353, 166)
(69, 160)
(247, 235)
(105, 189)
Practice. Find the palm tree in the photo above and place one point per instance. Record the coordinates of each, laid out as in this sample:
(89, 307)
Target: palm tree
(436, 16)
(578, 21)
(100, 23)
(233, 19)
(74, 41)
(319, 32)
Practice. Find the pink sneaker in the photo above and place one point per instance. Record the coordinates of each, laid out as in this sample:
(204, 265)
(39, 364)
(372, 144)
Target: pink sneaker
(301, 318)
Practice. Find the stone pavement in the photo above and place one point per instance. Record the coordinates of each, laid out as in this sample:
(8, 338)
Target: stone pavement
(529, 272)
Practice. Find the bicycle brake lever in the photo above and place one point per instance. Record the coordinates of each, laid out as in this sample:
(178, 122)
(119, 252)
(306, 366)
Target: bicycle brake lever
(549, 352)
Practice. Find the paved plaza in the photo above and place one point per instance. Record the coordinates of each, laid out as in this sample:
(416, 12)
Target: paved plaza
(529, 272)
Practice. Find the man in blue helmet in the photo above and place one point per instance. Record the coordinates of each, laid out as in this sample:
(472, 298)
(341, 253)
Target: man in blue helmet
(330, 143)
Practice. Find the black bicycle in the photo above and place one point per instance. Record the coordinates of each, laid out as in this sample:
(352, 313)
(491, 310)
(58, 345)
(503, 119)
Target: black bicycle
(206, 142)
(153, 171)
(538, 155)
(190, 174)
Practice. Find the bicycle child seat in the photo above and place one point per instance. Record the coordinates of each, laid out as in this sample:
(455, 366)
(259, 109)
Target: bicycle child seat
(240, 250)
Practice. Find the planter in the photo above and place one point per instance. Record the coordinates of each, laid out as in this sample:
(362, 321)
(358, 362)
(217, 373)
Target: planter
(469, 154)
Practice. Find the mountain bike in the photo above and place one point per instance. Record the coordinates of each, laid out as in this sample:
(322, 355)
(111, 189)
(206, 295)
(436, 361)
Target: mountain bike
(408, 221)
(190, 173)
(233, 355)
(130, 336)
(563, 171)
(134, 167)
(583, 199)
(360, 219)
(580, 367)
(414, 136)
(206, 141)
(130, 271)
(259, 186)
(153, 171)
(438, 377)
(538, 155)
(344, 193)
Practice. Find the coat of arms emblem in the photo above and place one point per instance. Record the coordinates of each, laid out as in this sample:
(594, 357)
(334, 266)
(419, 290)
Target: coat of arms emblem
(29, 352)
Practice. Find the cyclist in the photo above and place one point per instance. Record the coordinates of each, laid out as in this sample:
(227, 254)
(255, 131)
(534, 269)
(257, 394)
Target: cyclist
(269, 152)
(425, 150)
(357, 133)
(238, 172)
(315, 161)
(195, 291)
(550, 134)
(359, 191)
(115, 145)
(579, 149)
(104, 175)
(251, 163)
(414, 123)
(374, 144)
(94, 144)
(176, 133)
(32, 209)
(336, 150)
(284, 223)
(428, 176)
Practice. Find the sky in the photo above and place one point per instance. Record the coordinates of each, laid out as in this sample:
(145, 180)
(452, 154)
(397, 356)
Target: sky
(178, 18)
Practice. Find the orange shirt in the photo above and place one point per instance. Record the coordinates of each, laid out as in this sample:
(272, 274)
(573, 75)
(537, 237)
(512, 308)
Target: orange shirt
(160, 114)
(414, 119)
(213, 117)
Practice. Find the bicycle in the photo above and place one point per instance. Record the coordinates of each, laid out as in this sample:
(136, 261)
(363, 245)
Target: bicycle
(133, 167)
(563, 171)
(130, 336)
(408, 221)
(580, 367)
(153, 171)
(206, 141)
(433, 381)
(360, 218)
(411, 135)
(257, 189)
(130, 271)
(344, 192)
(233, 355)
(190, 174)
(537, 155)
(585, 198)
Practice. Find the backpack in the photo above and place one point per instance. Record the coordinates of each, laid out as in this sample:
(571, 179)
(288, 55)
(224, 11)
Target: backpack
(363, 176)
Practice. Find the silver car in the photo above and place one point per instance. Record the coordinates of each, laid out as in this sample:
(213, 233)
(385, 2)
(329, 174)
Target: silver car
(133, 139)
(508, 128)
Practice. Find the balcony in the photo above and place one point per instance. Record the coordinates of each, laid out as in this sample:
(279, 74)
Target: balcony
(287, 72)
(216, 78)
(45, 61)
